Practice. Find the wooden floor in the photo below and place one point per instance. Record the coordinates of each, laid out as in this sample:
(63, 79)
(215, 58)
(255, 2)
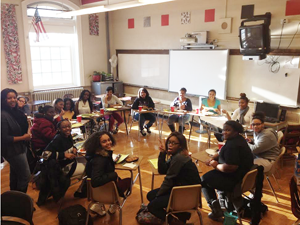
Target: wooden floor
(279, 213)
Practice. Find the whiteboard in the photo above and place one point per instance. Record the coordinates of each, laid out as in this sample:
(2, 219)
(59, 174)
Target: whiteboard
(150, 70)
(255, 79)
(199, 71)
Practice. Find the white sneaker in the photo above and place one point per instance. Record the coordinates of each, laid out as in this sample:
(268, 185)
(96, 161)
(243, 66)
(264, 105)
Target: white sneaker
(99, 209)
(112, 209)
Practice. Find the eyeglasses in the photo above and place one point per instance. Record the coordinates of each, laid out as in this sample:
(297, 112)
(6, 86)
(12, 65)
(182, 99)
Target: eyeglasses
(255, 124)
(21, 101)
(173, 143)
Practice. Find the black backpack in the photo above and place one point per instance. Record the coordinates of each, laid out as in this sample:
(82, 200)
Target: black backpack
(73, 215)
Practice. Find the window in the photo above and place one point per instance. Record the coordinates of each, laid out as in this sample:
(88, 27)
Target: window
(54, 59)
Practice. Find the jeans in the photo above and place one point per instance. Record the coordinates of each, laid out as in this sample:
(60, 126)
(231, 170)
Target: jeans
(112, 118)
(215, 179)
(19, 173)
(145, 116)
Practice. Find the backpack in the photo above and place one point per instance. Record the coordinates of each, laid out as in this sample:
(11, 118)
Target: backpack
(143, 216)
(73, 215)
(247, 212)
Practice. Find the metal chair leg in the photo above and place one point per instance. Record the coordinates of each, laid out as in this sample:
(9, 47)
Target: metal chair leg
(152, 183)
(120, 216)
(276, 182)
(200, 217)
(272, 189)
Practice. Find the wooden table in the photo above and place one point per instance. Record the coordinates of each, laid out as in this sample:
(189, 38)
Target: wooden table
(137, 164)
(83, 123)
(37, 103)
(217, 121)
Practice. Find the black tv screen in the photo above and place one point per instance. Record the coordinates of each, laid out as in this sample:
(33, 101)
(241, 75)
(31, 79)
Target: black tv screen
(270, 110)
(252, 37)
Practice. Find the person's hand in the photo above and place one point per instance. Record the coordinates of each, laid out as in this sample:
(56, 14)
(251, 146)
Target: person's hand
(62, 113)
(206, 109)
(213, 163)
(248, 140)
(224, 111)
(182, 107)
(74, 151)
(162, 146)
(145, 107)
(69, 155)
(207, 162)
(26, 137)
(217, 111)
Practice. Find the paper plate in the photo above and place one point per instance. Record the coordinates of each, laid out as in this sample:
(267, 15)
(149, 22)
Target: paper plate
(211, 151)
(118, 107)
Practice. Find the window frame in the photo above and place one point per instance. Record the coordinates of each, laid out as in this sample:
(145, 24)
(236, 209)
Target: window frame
(78, 79)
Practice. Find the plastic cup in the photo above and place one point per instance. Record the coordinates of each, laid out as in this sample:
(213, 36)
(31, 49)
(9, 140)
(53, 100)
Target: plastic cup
(220, 145)
(102, 111)
(79, 118)
(140, 108)
(172, 108)
(197, 111)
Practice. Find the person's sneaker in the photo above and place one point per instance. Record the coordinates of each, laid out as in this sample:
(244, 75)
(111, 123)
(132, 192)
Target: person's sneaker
(148, 129)
(99, 209)
(115, 131)
(222, 203)
(112, 209)
(143, 133)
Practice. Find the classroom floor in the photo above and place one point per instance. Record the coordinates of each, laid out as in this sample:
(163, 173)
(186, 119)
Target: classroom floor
(279, 213)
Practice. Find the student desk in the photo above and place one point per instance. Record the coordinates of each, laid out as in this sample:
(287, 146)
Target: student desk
(169, 113)
(217, 121)
(37, 103)
(136, 166)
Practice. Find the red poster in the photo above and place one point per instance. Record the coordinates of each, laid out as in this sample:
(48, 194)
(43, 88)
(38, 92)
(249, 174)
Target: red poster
(292, 8)
(130, 23)
(165, 20)
(209, 15)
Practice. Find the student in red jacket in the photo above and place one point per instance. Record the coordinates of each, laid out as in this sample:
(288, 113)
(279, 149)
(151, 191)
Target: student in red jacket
(43, 129)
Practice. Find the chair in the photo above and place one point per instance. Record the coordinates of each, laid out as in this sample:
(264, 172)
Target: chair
(280, 136)
(291, 138)
(187, 123)
(248, 184)
(106, 194)
(272, 171)
(295, 202)
(16, 207)
(185, 199)
(68, 96)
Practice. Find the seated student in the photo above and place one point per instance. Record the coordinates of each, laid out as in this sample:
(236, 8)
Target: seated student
(43, 129)
(243, 114)
(84, 104)
(182, 103)
(264, 145)
(108, 101)
(179, 170)
(211, 104)
(61, 164)
(59, 109)
(101, 167)
(144, 100)
(230, 166)
(69, 109)
(22, 105)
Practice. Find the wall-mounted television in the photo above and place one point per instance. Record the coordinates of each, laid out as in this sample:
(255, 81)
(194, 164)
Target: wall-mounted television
(255, 39)
(271, 110)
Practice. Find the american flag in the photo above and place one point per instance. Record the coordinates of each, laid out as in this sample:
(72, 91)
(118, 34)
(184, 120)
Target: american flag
(38, 26)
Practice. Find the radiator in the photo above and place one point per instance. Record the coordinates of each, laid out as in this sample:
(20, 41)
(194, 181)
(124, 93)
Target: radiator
(51, 95)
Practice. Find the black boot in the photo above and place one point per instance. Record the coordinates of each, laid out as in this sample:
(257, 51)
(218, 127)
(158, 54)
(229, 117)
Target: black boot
(181, 129)
(216, 213)
(172, 127)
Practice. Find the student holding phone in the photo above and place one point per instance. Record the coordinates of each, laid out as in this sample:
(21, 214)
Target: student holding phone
(146, 101)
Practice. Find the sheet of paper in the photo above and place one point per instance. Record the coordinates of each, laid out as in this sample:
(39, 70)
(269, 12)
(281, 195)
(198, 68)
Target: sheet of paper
(154, 163)
(130, 165)
(122, 158)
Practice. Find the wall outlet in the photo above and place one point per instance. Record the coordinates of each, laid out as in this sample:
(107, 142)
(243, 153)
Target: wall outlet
(282, 21)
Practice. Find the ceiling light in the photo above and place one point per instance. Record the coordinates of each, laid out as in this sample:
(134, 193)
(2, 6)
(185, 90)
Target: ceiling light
(123, 5)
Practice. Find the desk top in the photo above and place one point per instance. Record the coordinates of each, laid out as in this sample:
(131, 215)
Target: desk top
(120, 166)
(75, 124)
(202, 156)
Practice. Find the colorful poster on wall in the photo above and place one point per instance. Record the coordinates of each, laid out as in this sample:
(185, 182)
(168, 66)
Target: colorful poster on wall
(209, 15)
(185, 17)
(130, 23)
(165, 20)
(94, 24)
(11, 43)
(292, 7)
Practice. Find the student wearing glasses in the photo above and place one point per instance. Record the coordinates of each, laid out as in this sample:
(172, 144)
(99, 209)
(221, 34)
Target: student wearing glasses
(179, 170)
(264, 144)
(22, 105)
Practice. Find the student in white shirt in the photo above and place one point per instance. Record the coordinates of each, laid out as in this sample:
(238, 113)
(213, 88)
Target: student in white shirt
(108, 101)
(84, 104)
